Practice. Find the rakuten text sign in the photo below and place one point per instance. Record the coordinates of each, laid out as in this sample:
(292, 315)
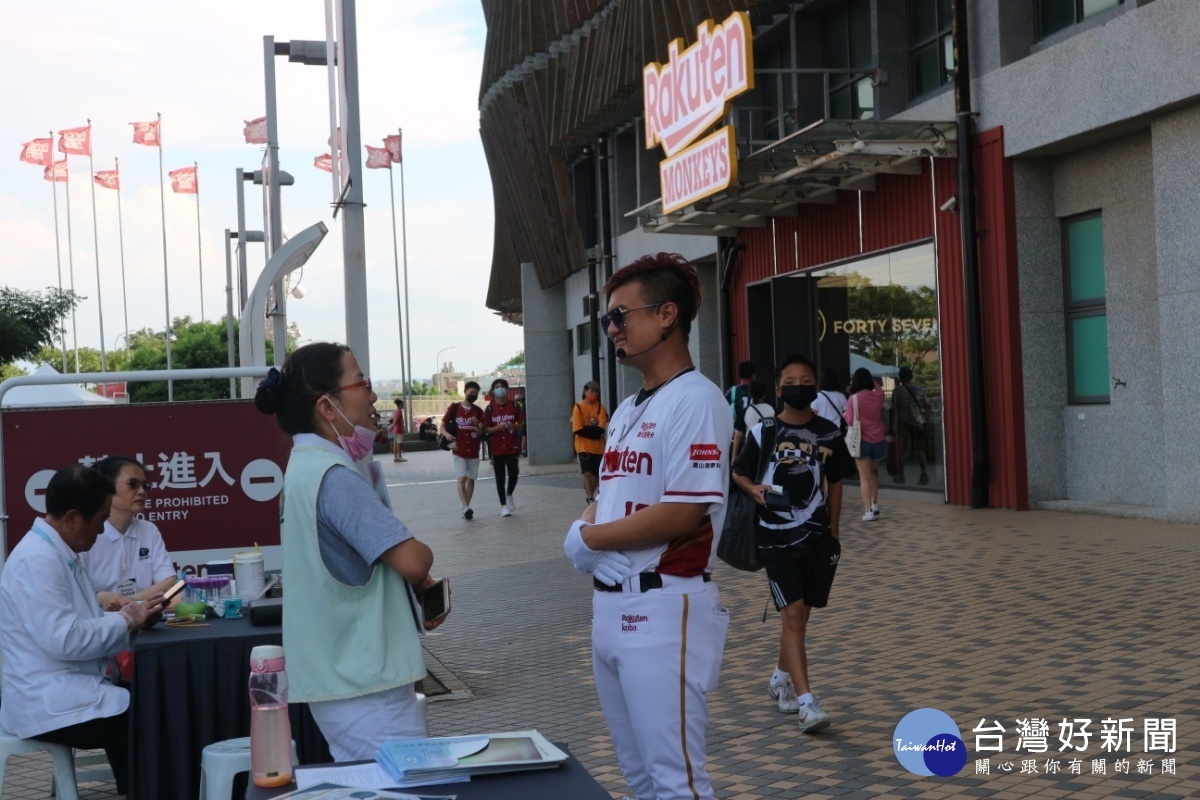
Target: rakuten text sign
(686, 96)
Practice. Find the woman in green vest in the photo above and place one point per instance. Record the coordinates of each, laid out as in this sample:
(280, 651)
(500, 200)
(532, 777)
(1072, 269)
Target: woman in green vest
(350, 616)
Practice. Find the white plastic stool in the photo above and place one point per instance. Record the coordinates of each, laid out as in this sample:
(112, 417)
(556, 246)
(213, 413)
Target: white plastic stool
(223, 760)
(64, 761)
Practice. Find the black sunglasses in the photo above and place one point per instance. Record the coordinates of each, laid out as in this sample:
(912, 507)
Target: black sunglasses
(617, 316)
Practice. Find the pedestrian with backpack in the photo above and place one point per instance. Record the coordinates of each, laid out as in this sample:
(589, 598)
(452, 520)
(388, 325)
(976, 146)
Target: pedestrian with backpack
(799, 500)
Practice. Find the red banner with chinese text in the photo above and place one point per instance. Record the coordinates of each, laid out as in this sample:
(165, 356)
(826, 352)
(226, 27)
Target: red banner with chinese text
(378, 158)
(108, 178)
(255, 131)
(76, 141)
(146, 133)
(216, 468)
(184, 181)
(394, 147)
(38, 151)
(56, 173)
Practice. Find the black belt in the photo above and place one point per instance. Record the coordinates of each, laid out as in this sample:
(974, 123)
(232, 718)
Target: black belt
(646, 581)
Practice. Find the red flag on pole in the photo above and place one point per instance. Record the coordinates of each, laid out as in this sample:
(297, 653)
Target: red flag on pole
(378, 158)
(76, 141)
(255, 131)
(183, 181)
(146, 133)
(108, 178)
(324, 161)
(56, 173)
(393, 147)
(38, 151)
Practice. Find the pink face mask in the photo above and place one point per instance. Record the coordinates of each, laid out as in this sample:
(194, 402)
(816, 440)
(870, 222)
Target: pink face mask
(359, 444)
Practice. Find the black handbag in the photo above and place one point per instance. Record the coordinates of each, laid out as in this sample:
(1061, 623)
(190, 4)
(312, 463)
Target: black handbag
(738, 546)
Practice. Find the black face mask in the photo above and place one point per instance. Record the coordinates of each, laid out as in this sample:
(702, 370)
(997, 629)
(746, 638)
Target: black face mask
(799, 396)
(471, 398)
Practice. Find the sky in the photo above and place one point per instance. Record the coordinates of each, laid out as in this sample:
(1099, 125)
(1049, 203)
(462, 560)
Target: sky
(201, 66)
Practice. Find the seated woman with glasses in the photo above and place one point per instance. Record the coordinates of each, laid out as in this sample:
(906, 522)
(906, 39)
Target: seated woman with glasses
(129, 560)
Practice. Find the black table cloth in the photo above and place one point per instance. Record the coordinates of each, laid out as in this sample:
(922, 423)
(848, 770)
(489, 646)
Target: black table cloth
(189, 691)
(568, 782)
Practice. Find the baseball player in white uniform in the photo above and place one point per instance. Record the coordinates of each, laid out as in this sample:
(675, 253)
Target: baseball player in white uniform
(649, 540)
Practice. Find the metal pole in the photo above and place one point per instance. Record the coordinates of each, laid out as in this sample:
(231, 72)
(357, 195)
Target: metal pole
(399, 314)
(62, 321)
(353, 225)
(71, 266)
(199, 250)
(407, 314)
(970, 253)
(121, 236)
(96, 246)
(162, 195)
(274, 231)
(229, 311)
(241, 245)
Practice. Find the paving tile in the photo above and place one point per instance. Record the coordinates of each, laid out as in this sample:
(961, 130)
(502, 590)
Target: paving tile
(980, 613)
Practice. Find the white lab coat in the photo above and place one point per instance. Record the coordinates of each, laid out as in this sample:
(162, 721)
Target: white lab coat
(58, 644)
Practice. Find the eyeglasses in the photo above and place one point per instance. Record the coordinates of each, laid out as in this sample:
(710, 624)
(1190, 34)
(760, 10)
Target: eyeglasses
(617, 316)
(134, 484)
(365, 383)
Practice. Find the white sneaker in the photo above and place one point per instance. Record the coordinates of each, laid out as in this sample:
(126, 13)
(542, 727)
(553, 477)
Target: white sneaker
(875, 509)
(784, 696)
(870, 516)
(505, 511)
(512, 504)
(812, 717)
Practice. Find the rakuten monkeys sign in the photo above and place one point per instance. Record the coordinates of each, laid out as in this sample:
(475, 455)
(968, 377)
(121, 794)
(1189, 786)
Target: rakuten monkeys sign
(684, 97)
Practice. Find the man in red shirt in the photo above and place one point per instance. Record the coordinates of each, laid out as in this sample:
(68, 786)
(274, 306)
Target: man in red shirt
(503, 422)
(464, 422)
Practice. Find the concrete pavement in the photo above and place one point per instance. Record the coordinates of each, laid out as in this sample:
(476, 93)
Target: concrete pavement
(985, 615)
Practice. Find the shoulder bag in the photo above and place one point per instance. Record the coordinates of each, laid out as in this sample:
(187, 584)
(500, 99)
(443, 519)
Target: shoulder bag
(854, 431)
(589, 431)
(739, 546)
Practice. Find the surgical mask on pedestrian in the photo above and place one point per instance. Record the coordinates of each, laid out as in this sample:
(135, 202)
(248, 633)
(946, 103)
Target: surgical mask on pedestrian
(798, 396)
(472, 397)
(357, 445)
(500, 393)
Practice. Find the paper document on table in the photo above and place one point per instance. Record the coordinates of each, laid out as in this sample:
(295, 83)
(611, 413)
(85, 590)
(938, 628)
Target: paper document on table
(408, 760)
(328, 791)
(366, 776)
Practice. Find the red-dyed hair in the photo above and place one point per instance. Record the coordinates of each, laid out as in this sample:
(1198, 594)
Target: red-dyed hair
(664, 278)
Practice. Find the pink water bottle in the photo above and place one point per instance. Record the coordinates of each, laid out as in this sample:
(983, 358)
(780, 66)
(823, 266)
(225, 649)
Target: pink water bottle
(270, 728)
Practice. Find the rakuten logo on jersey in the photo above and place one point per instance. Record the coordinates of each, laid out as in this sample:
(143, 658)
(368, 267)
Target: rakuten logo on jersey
(619, 463)
(705, 452)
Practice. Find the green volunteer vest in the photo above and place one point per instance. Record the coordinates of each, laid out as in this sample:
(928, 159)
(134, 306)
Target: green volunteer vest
(341, 641)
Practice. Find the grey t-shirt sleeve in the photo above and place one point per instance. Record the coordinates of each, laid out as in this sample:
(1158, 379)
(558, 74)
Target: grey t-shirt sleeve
(354, 527)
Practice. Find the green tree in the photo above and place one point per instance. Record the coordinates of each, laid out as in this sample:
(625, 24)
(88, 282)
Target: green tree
(196, 345)
(517, 360)
(89, 359)
(11, 371)
(29, 320)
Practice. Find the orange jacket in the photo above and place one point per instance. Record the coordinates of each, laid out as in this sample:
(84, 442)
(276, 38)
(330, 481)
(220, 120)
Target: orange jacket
(583, 412)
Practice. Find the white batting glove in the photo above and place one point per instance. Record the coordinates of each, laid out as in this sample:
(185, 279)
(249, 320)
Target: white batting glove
(607, 566)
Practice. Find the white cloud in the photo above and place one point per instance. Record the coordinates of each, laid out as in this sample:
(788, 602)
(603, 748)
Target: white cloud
(419, 69)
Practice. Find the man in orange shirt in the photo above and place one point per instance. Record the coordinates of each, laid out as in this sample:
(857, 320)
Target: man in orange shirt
(589, 421)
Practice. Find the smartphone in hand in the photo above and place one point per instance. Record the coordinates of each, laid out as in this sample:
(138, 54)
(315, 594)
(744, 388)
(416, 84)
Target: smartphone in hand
(170, 594)
(435, 601)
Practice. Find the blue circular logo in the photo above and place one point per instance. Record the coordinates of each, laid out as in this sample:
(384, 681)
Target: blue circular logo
(927, 742)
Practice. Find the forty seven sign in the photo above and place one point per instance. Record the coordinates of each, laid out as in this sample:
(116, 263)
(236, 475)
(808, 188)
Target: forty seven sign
(684, 97)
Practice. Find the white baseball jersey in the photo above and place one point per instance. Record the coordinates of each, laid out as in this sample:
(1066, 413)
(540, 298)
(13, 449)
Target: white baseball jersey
(670, 449)
(129, 563)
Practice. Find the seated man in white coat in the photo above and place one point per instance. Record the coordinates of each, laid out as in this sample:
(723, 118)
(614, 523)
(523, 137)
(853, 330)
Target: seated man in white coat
(59, 671)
